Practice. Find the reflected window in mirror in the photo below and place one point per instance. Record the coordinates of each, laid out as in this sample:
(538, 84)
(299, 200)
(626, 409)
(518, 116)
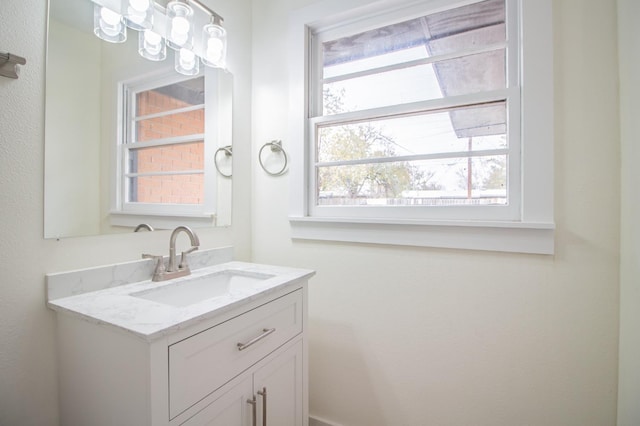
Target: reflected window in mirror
(163, 147)
(164, 141)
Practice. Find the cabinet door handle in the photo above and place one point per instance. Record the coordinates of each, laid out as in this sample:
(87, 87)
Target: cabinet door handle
(263, 394)
(253, 404)
(265, 333)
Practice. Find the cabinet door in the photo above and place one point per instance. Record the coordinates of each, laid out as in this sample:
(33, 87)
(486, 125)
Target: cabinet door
(230, 409)
(282, 379)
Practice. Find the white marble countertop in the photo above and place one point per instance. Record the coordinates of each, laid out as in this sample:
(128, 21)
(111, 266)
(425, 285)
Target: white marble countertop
(151, 320)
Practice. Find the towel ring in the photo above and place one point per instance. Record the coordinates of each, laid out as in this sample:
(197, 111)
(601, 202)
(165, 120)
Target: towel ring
(228, 152)
(276, 146)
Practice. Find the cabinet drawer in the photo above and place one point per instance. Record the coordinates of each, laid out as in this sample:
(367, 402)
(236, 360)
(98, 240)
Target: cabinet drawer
(205, 361)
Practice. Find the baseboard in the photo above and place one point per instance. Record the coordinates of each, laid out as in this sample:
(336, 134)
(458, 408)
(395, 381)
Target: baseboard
(316, 421)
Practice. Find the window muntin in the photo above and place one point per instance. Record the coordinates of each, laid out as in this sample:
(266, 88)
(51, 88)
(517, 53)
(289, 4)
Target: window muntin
(415, 114)
(166, 125)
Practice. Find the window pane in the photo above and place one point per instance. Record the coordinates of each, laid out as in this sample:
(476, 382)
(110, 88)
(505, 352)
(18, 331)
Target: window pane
(472, 26)
(459, 76)
(171, 189)
(178, 95)
(183, 124)
(168, 158)
(448, 182)
(459, 129)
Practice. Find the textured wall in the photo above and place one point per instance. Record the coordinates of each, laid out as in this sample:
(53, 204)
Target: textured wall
(413, 337)
(629, 370)
(28, 382)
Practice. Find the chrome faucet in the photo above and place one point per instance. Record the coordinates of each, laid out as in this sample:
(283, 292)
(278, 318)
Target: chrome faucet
(195, 243)
(173, 271)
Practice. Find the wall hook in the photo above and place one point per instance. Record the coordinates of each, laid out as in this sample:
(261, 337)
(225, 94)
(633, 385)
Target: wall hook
(9, 64)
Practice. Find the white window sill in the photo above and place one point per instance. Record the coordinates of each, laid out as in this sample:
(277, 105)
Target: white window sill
(161, 221)
(516, 237)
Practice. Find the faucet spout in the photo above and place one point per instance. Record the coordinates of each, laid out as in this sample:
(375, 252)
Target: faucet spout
(195, 243)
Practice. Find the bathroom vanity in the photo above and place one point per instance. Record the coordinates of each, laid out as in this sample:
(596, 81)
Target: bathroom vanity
(224, 346)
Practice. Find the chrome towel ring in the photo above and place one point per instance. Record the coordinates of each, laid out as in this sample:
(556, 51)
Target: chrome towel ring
(228, 152)
(276, 146)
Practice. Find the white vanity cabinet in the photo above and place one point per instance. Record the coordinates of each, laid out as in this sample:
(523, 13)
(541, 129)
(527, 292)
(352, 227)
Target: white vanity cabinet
(204, 363)
(246, 366)
(269, 394)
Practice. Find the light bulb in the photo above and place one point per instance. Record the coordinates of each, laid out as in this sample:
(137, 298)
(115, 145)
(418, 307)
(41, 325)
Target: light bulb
(152, 42)
(179, 31)
(139, 5)
(180, 25)
(214, 39)
(108, 24)
(187, 59)
(186, 62)
(109, 16)
(214, 49)
(139, 15)
(151, 37)
(151, 46)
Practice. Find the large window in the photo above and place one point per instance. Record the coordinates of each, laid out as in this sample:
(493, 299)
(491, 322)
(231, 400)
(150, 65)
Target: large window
(416, 115)
(409, 119)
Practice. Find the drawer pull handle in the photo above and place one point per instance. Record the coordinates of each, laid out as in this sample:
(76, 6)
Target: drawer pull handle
(263, 394)
(265, 333)
(253, 411)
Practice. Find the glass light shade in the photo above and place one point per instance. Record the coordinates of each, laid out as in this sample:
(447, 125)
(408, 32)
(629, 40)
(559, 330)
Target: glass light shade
(139, 14)
(179, 25)
(187, 62)
(108, 25)
(214, 46)
(151, 45)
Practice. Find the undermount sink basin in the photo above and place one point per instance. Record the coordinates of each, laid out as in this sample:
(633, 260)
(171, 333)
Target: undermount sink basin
(194, 290)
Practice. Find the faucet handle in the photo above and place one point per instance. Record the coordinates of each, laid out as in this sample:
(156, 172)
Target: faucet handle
(183, 257)
(160, 262)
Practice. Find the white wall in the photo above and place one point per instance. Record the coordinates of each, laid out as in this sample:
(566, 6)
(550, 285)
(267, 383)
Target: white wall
(28, 387)
(406, 336)
(629, 368)
(73, 131)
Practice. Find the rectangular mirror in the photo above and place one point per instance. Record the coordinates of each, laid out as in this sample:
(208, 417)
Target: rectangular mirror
(129, 140)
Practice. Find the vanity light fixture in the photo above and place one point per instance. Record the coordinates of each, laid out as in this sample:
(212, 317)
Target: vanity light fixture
(174, 25)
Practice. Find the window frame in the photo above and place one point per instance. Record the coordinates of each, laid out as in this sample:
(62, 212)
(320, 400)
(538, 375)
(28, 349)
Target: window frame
(163, 215)
(529, 230)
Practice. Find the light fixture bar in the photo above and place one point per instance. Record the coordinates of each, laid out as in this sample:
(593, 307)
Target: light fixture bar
(217, 19)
